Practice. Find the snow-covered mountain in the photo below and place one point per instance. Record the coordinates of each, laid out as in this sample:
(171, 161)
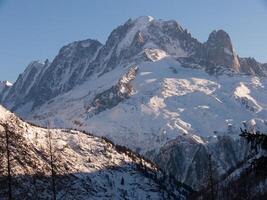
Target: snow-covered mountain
(138, 40)
(157, 103)
(154, 88)
(86, 167)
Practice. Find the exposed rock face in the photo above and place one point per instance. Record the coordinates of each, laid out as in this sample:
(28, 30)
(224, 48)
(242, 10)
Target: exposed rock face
(189, 161)
(219, 51)
(20, 91)
(251, 67)
(113, 96)
(70, 65)
(4, 88)
(218, 56)
(64, 72)
(42, 81)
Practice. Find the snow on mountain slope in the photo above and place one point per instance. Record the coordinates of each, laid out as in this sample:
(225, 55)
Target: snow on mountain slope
(138, 40)
(166, 102)
(86, 167)
(148, 86)
(143, 30)
(140, 25)
(5, 83)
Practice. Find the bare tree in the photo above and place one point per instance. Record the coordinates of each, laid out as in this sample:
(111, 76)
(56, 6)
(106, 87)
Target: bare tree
(52, 165)
(5, 153)
(2, 160)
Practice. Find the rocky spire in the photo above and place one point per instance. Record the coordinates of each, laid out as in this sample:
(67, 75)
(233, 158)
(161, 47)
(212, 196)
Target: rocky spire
(219, 51)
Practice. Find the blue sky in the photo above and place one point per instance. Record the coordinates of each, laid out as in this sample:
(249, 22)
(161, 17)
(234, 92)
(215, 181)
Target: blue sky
(37, 29)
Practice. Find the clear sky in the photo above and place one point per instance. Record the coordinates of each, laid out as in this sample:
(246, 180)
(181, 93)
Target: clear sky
(37, 29)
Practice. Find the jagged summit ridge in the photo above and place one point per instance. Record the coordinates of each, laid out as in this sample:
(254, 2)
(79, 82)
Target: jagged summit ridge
(134, 42)
(144, 18)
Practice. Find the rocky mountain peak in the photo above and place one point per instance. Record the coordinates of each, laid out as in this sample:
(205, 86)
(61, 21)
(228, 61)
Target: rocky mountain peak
(220, 41)
(78, 48)
(25, 83)
(136, 41)
(143, 19)
(168, 36)
(219, 35)
(34, 65)
(219, 51)
(251, 67)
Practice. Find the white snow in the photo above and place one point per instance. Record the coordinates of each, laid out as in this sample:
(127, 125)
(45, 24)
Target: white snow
(4, 114)
(155, 54)
(188, 102)
(8, 83)
(140, 24)
(243, 92)
(83, 159)
(166, 101)
(5, 85)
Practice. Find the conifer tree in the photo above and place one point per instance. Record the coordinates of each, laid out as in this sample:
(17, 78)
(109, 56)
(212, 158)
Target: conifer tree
(122, 181)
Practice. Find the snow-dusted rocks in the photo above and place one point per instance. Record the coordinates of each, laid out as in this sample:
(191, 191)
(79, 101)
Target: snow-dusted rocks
(4, 88)
(4, 84)
(86, 167)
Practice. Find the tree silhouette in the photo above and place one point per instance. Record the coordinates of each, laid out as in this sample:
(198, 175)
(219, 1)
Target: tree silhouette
(258, 144)
(5, 153)
(52, 165)
(122, 181)
(14, 152)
